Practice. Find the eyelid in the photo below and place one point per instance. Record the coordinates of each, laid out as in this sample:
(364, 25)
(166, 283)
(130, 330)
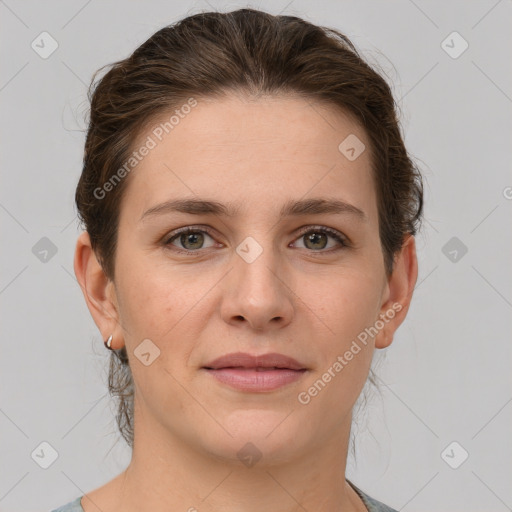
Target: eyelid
(343, 240)
(185, 229)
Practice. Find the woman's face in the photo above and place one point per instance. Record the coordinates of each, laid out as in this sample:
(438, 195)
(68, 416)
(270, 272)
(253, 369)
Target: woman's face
(254, 281)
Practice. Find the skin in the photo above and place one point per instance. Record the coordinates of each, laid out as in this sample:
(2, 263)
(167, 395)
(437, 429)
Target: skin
(303, 300)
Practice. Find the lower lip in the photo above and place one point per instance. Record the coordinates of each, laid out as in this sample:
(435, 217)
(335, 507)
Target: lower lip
(253, 380)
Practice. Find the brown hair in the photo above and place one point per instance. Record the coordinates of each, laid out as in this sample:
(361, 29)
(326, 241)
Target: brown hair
(251, 51)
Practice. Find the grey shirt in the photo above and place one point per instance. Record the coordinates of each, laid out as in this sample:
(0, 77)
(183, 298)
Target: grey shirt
(371, 504)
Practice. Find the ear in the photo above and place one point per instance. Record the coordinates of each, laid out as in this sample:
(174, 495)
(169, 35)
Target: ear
(398, 292)
(98, 290)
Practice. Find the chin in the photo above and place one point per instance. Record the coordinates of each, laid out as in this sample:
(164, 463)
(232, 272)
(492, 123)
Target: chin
(259, 434)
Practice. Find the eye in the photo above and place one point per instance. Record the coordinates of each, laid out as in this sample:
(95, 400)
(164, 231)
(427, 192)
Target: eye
(190, 239)
(316, 238)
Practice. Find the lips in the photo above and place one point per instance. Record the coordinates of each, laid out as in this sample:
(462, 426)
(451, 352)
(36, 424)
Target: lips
(263, 362)
(255, 374)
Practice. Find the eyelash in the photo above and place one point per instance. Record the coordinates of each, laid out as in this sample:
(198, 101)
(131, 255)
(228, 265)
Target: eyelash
(343, 241)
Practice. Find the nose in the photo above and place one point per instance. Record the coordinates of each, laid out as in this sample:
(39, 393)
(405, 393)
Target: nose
(257, 292)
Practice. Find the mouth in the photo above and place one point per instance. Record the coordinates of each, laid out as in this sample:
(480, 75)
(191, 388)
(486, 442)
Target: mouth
(245, 372)
(262, 362)
(253, 368)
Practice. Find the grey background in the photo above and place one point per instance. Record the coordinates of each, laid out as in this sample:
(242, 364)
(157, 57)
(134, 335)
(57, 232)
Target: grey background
(445, 378)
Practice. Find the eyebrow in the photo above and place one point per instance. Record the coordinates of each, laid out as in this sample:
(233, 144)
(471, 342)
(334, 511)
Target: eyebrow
(314, 206)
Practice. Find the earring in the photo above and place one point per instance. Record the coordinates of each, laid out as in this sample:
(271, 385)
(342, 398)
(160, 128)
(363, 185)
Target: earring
(108, 343)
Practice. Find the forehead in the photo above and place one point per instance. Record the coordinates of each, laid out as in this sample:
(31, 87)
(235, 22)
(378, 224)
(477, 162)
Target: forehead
(253, 151)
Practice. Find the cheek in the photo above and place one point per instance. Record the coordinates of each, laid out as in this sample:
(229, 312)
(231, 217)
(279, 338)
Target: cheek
(164, 305)
(147, 292)
(344, 309)
(343, 303)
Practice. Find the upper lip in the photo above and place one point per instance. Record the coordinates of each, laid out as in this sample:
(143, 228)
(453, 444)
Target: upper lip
(244, 360)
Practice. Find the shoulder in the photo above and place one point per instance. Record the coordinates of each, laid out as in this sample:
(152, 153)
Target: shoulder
(371, 504)
(72, 506)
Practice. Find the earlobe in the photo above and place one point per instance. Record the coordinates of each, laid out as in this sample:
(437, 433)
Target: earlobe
(400, 288)
(96, 287)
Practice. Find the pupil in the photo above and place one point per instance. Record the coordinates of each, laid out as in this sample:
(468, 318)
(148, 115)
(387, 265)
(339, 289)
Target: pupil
(314, 238)
(190, 237)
